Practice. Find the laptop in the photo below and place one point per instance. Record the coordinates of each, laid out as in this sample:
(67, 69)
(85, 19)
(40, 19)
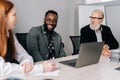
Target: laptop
(89, 53)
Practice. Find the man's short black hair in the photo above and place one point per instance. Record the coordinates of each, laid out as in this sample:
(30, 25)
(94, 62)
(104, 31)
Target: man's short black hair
(51, 11)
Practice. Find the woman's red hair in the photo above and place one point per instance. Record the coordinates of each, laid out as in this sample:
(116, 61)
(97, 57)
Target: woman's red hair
(5, 8)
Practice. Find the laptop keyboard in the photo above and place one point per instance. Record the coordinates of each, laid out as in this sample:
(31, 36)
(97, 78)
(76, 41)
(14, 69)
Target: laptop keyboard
(70, 62)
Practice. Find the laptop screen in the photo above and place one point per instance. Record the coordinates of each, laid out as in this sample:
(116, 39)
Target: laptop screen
(89, 54)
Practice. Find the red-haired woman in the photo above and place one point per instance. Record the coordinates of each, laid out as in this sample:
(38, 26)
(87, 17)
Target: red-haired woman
(10, 49)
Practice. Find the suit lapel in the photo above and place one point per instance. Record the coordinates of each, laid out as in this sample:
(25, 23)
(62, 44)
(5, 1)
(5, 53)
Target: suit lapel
(55, 44)
(92, 35)
(45, 36)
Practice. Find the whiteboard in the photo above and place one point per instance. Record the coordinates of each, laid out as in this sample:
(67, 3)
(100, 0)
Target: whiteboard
(84, 13)
(113, 19)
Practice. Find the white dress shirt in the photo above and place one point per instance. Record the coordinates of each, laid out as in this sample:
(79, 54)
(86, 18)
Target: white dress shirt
(99, 35)
(7, 68)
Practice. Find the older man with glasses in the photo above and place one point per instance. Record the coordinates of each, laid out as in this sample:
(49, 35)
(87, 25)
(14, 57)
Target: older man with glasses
(96, 32)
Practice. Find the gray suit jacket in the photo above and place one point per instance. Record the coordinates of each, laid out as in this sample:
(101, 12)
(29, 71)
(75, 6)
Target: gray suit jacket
(37, 44)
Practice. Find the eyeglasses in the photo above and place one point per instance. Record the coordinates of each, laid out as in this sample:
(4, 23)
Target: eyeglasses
(95, 17)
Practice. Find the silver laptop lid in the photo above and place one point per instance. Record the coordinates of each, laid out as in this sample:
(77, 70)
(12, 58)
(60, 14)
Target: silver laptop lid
(89, 53)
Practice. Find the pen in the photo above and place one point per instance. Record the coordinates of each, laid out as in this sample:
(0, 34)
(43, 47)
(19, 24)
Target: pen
(52, 60)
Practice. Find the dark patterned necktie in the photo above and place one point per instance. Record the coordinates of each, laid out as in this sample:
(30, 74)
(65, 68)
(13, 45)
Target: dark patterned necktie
(51, 47)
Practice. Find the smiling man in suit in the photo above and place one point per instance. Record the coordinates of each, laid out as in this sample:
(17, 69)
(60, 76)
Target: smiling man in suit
(43, 42)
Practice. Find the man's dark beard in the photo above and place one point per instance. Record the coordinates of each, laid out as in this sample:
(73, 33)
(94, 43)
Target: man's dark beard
(47, 30)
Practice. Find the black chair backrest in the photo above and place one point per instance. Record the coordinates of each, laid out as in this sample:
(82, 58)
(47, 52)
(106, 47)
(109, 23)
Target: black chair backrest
(22, 39)
(76, 44)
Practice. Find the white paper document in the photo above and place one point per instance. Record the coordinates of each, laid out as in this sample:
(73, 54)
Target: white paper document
(36, 72)
(53, 73)
(15, 77)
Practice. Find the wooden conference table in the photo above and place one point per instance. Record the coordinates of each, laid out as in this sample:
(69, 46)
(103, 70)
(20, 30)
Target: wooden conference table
(104, 70)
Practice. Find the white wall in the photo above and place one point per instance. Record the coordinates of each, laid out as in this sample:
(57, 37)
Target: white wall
(92, 1)
(96, 1)
(113, 19)
(30, 13)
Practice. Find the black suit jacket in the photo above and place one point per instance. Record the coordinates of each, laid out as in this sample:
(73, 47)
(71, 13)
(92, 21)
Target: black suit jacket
(88, 35)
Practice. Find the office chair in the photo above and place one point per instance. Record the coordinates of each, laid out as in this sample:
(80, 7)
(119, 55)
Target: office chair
(76, 44)
(22, 39)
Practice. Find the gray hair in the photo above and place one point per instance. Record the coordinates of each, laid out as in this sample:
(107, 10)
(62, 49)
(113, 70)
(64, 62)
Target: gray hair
(97, 10)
